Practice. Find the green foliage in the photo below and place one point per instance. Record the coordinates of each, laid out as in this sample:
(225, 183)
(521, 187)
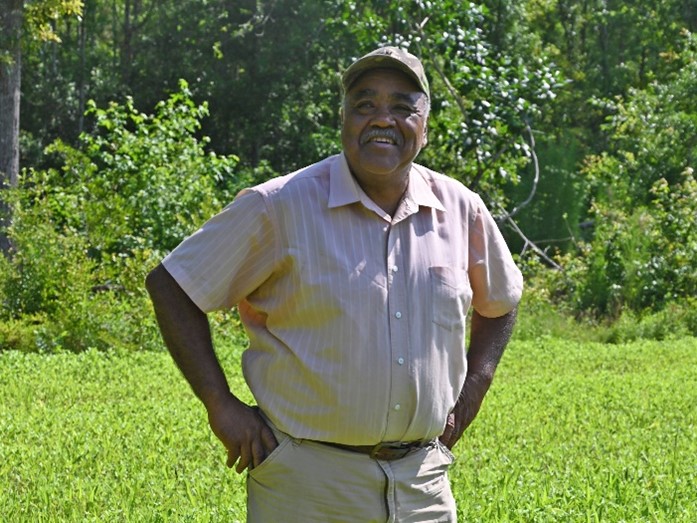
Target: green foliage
(19, 334)
(644, 245)
(85, 235)
(615, 144)
(267, 67)
(651, 137)
(138, 181)
(606, 49)
(539, 317)
(678, 319)
(43, 268)
(546, 311)
(40, 15)
(56, 297)
(558, 199)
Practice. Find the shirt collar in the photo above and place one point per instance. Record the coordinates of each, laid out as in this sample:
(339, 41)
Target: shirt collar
(344, 190)
(419, 191)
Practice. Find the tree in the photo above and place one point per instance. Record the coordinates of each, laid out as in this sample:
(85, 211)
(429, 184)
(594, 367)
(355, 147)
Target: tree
(12, 18)
(10, 67)
(267, 68)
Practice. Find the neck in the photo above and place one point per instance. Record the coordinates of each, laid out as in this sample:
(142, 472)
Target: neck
(387, 194)
(388, 204)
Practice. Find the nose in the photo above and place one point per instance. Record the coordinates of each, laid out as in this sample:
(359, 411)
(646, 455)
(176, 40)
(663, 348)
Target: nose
(383, 117)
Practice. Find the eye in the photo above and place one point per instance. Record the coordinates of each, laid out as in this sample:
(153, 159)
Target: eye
(364, 107)
(405, 110)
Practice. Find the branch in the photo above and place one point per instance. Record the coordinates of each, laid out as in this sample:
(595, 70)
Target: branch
(481, 169)
(528, 242)
(535, 181)
(459, 100)
(507, 217)
(542, 254)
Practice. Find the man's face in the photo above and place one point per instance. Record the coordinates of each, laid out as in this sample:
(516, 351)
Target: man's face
(384, 125)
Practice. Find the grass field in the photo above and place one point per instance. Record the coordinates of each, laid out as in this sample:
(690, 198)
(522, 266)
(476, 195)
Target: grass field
(569, 432)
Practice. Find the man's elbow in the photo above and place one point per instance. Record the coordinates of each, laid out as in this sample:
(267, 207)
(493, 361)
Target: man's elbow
(156, 281)
(166, 293)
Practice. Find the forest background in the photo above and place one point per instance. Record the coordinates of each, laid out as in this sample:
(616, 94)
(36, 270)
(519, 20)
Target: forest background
(125, 124)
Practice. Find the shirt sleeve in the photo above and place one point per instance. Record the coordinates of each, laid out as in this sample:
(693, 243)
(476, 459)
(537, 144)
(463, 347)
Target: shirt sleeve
(229, 257)
(497, 283)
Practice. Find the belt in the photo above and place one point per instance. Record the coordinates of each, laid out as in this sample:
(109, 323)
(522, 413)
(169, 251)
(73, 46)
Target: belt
(386, 451)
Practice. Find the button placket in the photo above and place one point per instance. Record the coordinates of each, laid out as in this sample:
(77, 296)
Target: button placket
(397, 418)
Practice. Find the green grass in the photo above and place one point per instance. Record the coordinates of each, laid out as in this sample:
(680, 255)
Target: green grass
(585, 432)
(570, 431)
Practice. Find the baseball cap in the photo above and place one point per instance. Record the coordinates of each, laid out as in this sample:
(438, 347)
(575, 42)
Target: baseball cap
(388, 57)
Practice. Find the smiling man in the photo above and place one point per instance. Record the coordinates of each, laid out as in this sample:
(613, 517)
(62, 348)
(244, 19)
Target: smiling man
(353, 278)
(385, 113)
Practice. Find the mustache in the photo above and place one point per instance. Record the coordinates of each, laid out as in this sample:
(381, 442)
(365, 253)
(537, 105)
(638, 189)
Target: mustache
(389, 134)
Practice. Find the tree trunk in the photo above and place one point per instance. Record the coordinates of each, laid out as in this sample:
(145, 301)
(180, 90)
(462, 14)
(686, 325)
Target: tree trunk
(127, 43)
(81, 77)
(10, 69)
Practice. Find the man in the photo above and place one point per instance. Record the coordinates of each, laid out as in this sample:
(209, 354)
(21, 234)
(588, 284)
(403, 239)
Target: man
(353, 278)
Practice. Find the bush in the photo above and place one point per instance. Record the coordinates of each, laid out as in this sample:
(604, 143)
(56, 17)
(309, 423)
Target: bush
(639, 260)
(19, 334)
(641, 257)
(548, 309)
(54, 295)
(137, 181)
(85, 235)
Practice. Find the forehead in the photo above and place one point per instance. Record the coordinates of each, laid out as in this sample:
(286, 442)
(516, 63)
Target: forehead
(391, 81)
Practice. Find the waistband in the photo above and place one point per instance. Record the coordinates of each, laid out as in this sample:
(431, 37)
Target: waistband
(386, 451)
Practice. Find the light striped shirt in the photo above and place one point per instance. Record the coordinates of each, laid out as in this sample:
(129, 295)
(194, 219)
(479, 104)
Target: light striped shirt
(356, 319)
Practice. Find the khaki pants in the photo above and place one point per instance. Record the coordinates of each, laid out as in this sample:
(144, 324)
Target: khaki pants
(307, 482)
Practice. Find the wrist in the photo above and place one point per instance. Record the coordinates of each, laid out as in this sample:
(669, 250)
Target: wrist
(216, 400)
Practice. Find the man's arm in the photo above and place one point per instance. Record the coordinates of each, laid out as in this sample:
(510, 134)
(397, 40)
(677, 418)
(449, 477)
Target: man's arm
(488, 339)
(187, 335)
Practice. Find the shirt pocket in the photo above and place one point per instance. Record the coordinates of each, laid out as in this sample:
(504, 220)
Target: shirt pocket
(451, 296)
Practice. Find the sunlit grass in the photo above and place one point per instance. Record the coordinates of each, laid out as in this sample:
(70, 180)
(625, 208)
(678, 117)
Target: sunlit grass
(569, 432)
(585, 432)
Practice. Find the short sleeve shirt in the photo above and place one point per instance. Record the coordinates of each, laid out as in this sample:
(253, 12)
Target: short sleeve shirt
(356, 319)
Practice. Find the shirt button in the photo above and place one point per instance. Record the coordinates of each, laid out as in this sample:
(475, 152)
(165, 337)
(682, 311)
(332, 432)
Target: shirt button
(400, 361)
(397, 314)
(397, 407)
(395, 268)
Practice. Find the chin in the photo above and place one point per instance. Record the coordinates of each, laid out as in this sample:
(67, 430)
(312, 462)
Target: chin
(383, 167)
(382, 171)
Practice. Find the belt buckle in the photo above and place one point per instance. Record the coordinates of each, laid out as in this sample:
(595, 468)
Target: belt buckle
(387, 451)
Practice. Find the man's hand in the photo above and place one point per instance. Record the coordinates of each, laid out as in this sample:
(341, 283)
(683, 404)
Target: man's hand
(488, 339)
(243, 432)
(466, 409)
(187, 335)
